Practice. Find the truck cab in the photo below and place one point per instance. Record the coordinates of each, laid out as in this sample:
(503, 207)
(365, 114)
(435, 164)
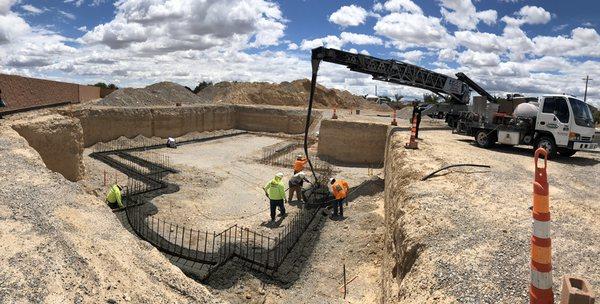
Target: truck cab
(564, 125)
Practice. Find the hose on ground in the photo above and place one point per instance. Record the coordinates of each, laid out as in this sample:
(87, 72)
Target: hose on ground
(452, 166)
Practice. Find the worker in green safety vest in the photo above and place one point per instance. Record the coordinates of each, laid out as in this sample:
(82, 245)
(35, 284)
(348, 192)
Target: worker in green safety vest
(113, 198)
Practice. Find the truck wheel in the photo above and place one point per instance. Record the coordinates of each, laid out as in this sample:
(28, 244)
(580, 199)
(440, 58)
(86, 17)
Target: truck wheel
(564, 152)
(547, 143)
(484, 139)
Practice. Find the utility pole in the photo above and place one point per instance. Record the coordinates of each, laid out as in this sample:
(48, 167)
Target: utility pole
(587, 79)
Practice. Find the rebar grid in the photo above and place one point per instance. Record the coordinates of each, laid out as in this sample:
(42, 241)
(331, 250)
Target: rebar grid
(146, 172)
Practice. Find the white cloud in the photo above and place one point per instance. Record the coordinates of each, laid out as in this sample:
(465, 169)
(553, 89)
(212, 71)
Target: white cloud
(32, 9)
(408, 30)
(329, 41)
(292, 46)
(351, 15)
(338, 42)
(77, 3)
(478, 59)
(583, 42)
(402, 6)
(477, 41)
(464, 15)
(360, 39)
(529, 15)
(5, 6)
(67, 15)
(413, 56)
(447, 55)
(156, 27)
(11, 27)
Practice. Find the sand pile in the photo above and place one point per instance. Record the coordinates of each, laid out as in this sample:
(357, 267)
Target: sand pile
(162, 93)
(293, 93)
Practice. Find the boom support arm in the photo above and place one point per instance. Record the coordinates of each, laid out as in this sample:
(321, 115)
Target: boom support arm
(397, 72)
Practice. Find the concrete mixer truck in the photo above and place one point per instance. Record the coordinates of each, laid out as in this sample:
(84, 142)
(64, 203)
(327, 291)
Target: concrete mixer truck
(561, 124)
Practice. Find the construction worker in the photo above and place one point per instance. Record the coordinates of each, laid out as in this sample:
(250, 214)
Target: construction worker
(299, 163)
(113, 198)
(275, 191)
(295, 184)
(416, 114)
(340, 192)
(171, 143)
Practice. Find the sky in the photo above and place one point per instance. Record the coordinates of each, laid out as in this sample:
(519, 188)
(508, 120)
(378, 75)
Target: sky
(507, 46)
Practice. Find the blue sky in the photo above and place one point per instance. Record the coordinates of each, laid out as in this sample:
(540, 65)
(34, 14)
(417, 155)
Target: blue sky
(531, 47)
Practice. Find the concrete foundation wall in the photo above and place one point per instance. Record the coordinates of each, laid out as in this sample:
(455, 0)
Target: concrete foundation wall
(58, 140)
(87, 93)
(271, 119)
(359, 143)
(23, 92)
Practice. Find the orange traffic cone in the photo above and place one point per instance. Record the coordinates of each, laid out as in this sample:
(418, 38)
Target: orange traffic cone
(394, 122)
(540, 290)
(412, 144)
(334, 116)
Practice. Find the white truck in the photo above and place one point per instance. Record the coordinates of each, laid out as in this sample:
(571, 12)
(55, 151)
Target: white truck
(561, 124)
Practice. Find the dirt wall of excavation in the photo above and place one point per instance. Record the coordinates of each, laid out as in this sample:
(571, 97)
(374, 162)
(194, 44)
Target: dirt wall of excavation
(360, 143)
(58, 140)
(106, 124)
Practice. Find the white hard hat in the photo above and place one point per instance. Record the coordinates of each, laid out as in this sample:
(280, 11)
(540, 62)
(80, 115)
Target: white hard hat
(301, 174)
(280, 175)
(332, 180)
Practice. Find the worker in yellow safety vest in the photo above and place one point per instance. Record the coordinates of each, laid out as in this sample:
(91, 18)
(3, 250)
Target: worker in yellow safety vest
(275, 191)
(113, 198)
(340, 192)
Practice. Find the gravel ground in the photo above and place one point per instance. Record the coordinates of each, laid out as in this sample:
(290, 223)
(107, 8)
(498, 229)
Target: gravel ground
(463, 235)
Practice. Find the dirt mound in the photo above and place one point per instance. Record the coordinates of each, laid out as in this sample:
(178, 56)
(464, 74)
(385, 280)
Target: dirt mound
(162, 93)
(293, 93)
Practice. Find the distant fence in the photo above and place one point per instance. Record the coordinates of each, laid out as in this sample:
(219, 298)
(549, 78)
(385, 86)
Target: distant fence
(208, 248)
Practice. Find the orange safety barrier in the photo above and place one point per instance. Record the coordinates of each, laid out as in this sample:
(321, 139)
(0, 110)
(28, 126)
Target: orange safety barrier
(412, 144)
(394, 122)
(334, 116)
(540, 291)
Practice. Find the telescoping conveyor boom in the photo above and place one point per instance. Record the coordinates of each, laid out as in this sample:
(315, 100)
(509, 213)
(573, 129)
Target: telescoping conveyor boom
(393, 71)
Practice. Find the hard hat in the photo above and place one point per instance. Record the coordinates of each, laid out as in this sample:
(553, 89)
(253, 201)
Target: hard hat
(301, 174)
(299, 156)
(280, 175)
(332, 180)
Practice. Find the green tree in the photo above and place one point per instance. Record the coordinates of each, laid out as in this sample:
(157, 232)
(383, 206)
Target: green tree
(101, 85)
(398, 97)
(431, 98)
(201, 86)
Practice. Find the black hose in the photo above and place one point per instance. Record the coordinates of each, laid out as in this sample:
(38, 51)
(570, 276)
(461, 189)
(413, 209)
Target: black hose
(313, 84)
(452, 166)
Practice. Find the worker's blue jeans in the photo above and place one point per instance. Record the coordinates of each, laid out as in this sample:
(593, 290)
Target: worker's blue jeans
(338, 204)
(274, 205)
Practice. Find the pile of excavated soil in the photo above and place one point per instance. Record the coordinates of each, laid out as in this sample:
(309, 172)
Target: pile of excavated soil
(295, 93)
(162, 93)
(63, 245)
